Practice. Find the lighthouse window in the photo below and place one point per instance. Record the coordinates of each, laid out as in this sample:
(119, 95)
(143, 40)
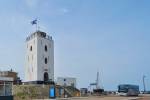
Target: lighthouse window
(64, 79)
(45, 60)
(45, 47)
(30, 48)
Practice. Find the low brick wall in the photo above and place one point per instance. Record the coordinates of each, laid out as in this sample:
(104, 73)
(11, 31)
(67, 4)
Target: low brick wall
(27, 92)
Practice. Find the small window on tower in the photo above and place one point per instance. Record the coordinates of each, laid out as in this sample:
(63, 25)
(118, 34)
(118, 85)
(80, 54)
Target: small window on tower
(30, 48)
(45, 60)
(64, 79)
(46, 48)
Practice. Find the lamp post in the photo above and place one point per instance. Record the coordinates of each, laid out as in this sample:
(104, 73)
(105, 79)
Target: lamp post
(64, 88)
(144, 83)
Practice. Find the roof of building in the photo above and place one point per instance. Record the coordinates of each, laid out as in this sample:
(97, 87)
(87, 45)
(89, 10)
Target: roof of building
(39, 34)
(8, 72)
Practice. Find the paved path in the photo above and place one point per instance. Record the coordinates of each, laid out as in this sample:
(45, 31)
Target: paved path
(147, 97)
(102, 98)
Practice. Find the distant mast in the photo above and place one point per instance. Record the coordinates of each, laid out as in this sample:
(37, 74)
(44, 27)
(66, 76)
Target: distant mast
(97, 81)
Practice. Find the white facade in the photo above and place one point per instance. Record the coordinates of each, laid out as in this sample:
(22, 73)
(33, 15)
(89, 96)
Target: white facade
(39, 65)
(66, 81)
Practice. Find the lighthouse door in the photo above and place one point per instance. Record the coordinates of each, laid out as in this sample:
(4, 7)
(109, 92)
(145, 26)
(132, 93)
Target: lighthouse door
(45, 77)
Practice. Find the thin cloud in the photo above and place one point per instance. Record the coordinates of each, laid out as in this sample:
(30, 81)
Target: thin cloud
(64, 10)
(31, 3)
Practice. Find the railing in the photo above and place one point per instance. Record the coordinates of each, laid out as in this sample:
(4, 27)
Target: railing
(40, 34)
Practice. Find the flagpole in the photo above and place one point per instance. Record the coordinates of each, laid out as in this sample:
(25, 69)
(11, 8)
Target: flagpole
(36, 25)
(35, 22)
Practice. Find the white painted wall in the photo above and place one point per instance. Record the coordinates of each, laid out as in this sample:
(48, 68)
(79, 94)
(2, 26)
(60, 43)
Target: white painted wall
(68, 81)
(35, 60)
(41, 58)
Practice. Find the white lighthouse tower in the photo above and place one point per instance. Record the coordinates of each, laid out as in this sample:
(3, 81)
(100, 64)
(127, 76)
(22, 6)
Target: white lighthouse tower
(39, 65)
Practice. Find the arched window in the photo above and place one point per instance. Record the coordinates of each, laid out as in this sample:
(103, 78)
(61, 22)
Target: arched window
(64, 79)
(46, 48)
(30, 48)
(45, 60)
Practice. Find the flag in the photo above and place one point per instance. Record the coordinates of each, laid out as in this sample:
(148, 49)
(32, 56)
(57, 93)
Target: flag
(34, 22)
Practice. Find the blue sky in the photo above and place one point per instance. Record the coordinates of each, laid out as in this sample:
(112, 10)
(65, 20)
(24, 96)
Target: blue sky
(111, 36)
